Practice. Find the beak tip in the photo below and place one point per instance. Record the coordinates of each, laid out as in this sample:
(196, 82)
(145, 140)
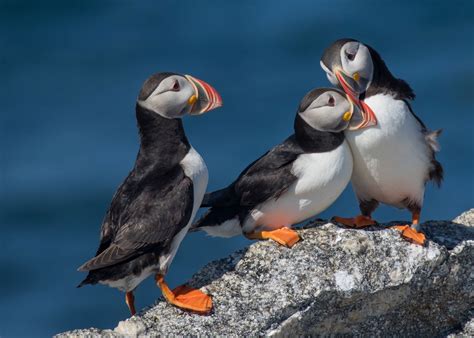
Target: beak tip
(207, 94)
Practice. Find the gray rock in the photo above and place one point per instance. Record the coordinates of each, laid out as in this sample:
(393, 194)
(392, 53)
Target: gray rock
(467, 331)
(336, 281)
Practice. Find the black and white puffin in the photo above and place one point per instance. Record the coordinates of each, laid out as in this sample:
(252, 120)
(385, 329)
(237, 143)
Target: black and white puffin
(394, 152)
(292, 182)
(154, 207)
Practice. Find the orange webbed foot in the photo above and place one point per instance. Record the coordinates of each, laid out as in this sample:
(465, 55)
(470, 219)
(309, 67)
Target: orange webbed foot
(284, 236)
(186, 298)
(411, 234)
(357, 222)
(192, 299)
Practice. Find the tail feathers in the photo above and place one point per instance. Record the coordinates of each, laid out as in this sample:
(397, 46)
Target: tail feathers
(112, 255)
(436, 172)
(204, 221)
(432, 139)
(87, 280)
(81, 284)
(206, 201)
(220, 222)
(220, 198)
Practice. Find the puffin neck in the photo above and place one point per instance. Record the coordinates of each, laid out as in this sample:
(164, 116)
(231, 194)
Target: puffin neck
(383, 81)
(163, 143)
(315, 141)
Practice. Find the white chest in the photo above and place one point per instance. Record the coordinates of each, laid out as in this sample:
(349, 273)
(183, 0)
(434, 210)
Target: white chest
(195, 168)
(391, 158)
(321, 178)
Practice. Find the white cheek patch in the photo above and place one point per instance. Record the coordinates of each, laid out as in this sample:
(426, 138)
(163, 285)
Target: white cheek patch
(332, 79)
(365, 59)
(318, 118)
(323, 66)
(169, 103)
(152, 102)
(163, 103)
(326, 118)
(145, 104)
(361, 64)
(329, 74)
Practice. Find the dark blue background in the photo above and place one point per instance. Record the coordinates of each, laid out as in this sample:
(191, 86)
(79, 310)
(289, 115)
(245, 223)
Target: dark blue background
(70, 72)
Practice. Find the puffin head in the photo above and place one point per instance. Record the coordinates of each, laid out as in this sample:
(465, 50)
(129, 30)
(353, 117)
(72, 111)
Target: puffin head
(174, 95)
(349, 65)
(327, 110)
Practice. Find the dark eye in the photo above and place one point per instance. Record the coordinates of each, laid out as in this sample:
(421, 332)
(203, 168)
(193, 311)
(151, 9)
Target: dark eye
(350, 56)
(176, 86)
(331, 101)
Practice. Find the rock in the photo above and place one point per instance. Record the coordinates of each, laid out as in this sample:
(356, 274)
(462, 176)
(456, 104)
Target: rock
(467, 331)
(336, 281)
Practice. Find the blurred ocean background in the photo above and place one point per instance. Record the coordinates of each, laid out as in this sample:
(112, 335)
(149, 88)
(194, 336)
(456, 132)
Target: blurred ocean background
(70, 72)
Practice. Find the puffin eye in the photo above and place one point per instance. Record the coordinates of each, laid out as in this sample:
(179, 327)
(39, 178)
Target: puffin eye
(331, 101)
(176, 86)
(350, 56)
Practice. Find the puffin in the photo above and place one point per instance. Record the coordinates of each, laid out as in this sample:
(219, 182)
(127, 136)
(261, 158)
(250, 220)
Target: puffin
(293, 181)
(154, 207)
(394, 152)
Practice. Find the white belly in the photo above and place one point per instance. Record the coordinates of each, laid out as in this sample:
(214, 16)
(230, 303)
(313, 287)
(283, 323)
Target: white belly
(321, 179)
(391, 160)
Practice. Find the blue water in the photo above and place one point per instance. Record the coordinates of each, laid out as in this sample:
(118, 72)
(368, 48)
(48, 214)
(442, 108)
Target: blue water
(70, 73)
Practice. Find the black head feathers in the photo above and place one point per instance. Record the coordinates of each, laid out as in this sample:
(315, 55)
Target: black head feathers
(151, 83)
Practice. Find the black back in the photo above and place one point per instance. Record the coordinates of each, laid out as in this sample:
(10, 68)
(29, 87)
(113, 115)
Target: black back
(268, 177)
(153, 203)
(383, 82)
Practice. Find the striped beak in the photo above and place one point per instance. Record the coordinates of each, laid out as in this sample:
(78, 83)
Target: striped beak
(363, 116)
(205, 97)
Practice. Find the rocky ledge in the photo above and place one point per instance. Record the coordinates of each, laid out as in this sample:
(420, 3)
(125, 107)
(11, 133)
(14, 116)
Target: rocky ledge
(336, 281)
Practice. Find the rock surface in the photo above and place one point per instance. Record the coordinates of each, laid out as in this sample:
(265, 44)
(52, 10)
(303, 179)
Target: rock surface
(336, 281)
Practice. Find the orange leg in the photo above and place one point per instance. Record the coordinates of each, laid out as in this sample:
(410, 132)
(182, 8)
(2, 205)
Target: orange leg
(415, 218)
(185, 297)
(130, 300)
(284, 236)
(358, 222)
(411, 234)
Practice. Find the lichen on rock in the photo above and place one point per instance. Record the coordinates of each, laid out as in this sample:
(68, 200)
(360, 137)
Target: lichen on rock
(335, 281)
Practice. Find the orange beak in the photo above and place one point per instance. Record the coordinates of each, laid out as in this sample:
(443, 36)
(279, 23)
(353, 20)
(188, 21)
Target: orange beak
(367, 116)
(206, 97)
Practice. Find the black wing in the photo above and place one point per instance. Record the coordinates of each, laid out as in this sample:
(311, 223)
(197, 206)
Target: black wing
(267, 177)
(145, 214)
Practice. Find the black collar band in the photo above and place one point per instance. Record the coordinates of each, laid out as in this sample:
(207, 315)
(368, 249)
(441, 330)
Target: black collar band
(163, 143)
(315, 141)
